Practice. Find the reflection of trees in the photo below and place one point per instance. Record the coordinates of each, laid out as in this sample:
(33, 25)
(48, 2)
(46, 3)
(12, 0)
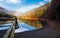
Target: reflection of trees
(32, 17)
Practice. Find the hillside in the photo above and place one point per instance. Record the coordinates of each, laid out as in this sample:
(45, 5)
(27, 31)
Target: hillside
(4, 15)
(31, 17)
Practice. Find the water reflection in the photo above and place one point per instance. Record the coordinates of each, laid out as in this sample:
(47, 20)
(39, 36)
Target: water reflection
(24, 27)
(5, 26)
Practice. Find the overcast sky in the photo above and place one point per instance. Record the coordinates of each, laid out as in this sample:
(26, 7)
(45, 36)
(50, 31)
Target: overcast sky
(22, 5)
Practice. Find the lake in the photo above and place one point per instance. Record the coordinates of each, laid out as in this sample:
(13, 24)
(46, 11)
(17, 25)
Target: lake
(24, 27)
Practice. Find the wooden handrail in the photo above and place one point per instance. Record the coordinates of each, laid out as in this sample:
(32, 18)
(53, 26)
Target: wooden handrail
(10, 31)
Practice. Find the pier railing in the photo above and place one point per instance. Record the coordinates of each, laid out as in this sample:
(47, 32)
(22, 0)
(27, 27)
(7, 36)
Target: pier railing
(9, 26)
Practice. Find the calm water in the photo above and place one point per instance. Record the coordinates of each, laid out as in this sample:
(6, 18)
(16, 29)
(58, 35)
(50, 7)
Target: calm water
(24, 27)
(5, 26)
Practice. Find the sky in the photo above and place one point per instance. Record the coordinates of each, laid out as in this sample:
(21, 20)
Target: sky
(22, 5)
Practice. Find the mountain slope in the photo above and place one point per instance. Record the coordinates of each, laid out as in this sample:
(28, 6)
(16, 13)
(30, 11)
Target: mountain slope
(4, 15)
(31, 17)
